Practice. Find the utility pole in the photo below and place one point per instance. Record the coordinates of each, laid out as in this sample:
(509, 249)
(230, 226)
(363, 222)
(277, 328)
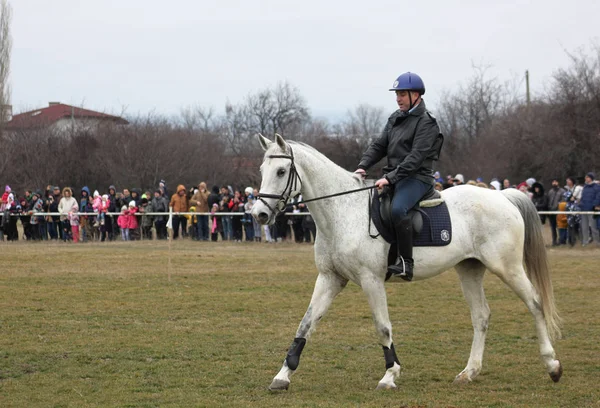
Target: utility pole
(527, 88)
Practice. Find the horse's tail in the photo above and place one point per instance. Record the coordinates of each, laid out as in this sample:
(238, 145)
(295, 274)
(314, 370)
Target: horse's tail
(536, 259)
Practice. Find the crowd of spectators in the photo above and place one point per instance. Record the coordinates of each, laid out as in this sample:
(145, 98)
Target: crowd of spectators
(574, 196)
(127, 215)
(131, 215)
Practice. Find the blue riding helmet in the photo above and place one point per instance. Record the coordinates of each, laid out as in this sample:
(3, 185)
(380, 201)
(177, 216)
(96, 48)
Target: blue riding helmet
(409, 81)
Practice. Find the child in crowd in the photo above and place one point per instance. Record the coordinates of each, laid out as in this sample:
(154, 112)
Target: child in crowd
(562, 224)
(132, 222)
(7, 191)
(192, 224)
(147, 220)
(74, 221)
(122, 222)
(214, 224)
(574, 220)
(102, 218)
(248, 227)
(103, 209)
(97, 201)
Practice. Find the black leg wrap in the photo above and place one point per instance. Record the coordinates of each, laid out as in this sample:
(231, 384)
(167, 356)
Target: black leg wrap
(390, 356)
(293, 355)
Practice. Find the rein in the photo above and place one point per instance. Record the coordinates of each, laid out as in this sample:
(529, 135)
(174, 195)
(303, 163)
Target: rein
(292, 184)
(338, 194)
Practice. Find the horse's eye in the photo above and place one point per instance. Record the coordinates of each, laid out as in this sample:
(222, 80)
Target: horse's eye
(280, 172)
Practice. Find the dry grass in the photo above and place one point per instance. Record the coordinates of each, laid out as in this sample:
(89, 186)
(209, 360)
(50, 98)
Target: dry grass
(101, 325)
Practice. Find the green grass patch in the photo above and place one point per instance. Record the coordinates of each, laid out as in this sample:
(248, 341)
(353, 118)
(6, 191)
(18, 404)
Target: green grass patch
(103, 325)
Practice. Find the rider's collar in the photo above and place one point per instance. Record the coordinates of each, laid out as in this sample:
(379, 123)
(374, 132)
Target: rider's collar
(411, 110)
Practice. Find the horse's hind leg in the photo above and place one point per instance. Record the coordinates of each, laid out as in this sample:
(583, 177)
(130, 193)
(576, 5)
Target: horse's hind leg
(327, 287)
(516, 278)
(471, 272)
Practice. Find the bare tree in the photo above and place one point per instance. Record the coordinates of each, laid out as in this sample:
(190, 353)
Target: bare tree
(576, 115)
(278, 110)
(315, 131)
(363, 124)
(260, 111)
(470, 119)
(198, 118)
(488, 128)
(469, 111)
(5, 53)
(269, 111)
(290, 109)
(235, 126)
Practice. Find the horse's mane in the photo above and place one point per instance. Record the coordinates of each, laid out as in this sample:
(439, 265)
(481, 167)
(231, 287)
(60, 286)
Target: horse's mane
(319, 155)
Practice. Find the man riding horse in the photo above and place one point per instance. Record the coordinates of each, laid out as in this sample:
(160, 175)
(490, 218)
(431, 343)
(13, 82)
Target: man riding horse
(411, 140)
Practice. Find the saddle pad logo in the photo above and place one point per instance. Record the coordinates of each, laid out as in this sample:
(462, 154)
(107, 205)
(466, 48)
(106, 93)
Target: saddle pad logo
(445, 235)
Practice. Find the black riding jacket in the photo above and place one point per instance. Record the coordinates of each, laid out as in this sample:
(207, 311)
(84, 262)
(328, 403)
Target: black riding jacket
(411, 141)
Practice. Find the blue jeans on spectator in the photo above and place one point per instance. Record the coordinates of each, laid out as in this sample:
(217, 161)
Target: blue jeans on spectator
(248, 227)
(43, 229)
(53, 228)
(562, 236)
(161, 228)
(552, 219)
(227, 230)
(202, 227)
(65, 230)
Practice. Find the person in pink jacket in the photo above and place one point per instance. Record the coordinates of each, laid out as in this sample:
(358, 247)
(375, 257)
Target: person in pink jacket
(132, 221)
(102, 218)
(97, 201)
(122, 222)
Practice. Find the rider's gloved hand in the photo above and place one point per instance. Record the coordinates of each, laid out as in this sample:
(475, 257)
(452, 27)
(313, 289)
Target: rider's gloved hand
(360, 173)
(382, 182)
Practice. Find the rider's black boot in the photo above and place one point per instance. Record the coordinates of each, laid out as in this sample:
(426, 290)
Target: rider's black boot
(403, 267)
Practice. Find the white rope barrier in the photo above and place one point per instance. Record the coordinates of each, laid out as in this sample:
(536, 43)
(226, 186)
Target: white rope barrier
(237, 213)
(569, 212)
(139, 214)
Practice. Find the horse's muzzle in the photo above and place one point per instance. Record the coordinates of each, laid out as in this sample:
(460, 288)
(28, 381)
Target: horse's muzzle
(262, 213)
(262, 218)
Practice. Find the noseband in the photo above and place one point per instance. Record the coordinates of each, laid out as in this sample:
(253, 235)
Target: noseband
(290, 186)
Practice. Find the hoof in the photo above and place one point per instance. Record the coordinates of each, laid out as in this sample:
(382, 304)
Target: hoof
(385, 386)
(555, 375)
(279, 385)
(462, 378)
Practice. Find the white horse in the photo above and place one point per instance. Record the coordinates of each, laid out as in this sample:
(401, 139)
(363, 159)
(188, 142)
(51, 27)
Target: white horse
(497, 231)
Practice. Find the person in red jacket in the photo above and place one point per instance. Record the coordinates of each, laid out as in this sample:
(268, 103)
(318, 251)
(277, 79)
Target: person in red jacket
(132, 221)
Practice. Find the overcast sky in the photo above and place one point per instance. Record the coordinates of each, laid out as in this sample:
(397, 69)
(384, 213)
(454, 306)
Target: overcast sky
(157, 55)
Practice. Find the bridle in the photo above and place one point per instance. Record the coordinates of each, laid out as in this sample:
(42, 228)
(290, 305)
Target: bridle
(291, 185)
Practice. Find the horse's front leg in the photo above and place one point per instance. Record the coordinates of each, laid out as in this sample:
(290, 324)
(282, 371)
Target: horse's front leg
(326, 289)
(375, 291)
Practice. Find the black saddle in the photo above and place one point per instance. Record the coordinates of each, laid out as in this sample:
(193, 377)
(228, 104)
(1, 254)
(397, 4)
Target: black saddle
(430, 219)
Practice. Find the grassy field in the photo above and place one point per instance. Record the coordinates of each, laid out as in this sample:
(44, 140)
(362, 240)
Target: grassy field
(102, 325)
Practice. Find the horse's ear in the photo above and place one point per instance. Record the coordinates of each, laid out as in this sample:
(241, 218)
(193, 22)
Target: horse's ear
(281, 142)
(264, 142)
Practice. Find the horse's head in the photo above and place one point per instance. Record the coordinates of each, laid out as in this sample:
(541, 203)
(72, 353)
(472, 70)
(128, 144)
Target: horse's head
(280, 180)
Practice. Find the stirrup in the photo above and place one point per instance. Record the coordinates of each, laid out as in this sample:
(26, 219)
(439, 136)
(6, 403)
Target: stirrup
(402, 269)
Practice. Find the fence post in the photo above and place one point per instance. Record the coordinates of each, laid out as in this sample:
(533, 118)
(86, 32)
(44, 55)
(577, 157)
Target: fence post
(170, 238)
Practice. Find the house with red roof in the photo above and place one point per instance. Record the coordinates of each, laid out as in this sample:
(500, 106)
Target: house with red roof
(62, 118)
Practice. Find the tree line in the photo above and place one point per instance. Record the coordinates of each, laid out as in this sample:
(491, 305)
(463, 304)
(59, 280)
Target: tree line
(490, 131)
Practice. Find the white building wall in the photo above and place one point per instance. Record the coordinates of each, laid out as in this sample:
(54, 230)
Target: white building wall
(67, 125)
